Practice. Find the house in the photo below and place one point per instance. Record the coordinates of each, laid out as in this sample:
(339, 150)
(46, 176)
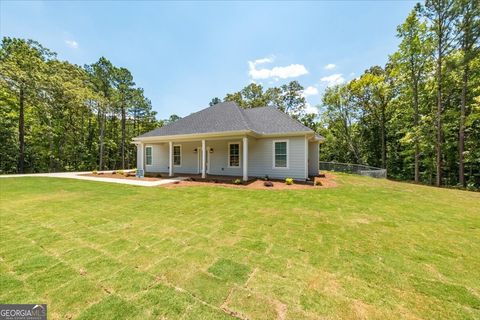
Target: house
(225, 139)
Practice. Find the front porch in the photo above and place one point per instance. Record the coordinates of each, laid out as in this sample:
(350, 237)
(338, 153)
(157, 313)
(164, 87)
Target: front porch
(215, 157)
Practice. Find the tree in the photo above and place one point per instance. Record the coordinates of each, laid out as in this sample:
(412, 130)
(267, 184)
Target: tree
(251, 96)
(57, 116)
(22, 70)
(293, 101)
(341, 116)
(412, 60)
(442, 15)
(124, 84)
(468, 29)
(372, 92)
(102, 77)
(173, 118)
(215, 101)
(287, 98)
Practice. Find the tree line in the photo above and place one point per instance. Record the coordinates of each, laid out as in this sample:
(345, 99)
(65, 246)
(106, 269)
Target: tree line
(418, 116)
(57, 116)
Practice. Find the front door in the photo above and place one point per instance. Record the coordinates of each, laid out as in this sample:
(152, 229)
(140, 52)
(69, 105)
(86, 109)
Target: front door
(199, 160)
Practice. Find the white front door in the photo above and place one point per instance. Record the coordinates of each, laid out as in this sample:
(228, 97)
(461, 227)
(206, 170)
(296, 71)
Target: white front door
(199, 160)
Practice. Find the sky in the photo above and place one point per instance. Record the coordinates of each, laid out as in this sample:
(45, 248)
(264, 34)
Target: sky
(185, 53)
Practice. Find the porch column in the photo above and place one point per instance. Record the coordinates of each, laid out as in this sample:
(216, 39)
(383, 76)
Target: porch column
(245, 158)
(204, 159)
(306, 158)
(141, 155)
(170, 158)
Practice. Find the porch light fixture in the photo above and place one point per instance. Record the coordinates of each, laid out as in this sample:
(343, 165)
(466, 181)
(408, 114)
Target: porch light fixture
(195, 150)
(211, 150)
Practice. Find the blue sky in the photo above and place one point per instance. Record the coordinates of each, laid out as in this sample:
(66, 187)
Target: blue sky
(185, 53)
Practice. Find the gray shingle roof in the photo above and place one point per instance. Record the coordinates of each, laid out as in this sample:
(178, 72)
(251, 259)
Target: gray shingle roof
(268, 120)
(228, 116)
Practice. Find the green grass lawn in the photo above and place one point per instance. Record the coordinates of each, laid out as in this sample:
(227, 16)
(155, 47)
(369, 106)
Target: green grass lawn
(367, 249)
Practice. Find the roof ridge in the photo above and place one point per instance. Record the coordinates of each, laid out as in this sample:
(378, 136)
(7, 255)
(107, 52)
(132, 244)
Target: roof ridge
(245, 121)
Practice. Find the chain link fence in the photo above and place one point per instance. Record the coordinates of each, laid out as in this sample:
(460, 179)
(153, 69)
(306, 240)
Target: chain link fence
(354, 168)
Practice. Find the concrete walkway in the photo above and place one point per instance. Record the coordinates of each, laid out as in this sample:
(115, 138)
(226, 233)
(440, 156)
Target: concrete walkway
(80, 176)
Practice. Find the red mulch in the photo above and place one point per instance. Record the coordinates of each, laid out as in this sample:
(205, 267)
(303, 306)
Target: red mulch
(327, 182)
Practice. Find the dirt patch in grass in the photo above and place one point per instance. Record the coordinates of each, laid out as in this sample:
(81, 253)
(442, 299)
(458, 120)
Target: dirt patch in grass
(119, 176)
(326, 182)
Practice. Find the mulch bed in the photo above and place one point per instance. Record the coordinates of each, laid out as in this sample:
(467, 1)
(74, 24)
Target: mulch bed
(327, 182)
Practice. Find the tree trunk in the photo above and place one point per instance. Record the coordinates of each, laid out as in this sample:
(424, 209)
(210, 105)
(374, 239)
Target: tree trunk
(21, 133)
(102, 133)
(123, 137)
(50, 147)
(438, 180)
(384, 140)
(416, 122)
(461, 133)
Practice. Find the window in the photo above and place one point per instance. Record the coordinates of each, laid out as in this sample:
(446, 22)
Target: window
(234, 155)
(177, 155)
(148, 156)
(280, 154)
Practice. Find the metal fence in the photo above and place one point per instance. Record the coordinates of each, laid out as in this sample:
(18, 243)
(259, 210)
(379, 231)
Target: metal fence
(354, 168)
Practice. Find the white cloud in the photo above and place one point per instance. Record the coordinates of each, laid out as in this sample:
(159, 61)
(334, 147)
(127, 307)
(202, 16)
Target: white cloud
(72, 44)
(310, 109)
(263, 60)
(330, 66)
(310, 91)
(290, 71)
(333, 79)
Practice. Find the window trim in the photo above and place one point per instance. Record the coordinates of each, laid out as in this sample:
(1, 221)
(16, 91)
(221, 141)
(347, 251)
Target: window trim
(173, 155)
(239, 154)
(273, 154)
(151, 155)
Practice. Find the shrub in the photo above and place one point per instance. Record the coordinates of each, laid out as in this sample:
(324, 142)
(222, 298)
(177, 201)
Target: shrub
(237, 181)
(114, 172)
(318, 182)
(121, 172)
(289, 181)
(94, 172)
(266, 178)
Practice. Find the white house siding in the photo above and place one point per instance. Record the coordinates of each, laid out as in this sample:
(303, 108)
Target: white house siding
(219, 157)
(260, 158)
(313, 157)
(159, 158)
(189, 157)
